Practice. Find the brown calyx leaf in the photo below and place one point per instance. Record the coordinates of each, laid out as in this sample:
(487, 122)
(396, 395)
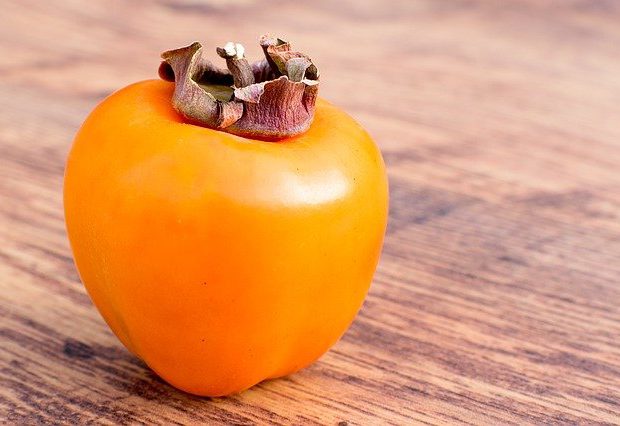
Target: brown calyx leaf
(271, 99)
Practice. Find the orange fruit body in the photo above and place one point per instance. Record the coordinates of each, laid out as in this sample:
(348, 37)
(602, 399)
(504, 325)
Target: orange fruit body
(218, 260)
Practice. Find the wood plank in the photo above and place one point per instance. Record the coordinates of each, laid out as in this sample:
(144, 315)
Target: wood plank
(497, 299)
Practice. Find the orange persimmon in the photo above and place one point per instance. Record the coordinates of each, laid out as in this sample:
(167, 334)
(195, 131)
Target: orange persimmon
(222, 260)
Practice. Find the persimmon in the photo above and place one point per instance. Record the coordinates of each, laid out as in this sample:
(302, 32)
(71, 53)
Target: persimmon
(226, 223)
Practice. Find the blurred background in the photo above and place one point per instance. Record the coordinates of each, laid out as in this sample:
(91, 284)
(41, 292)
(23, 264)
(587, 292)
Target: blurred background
(497, 297)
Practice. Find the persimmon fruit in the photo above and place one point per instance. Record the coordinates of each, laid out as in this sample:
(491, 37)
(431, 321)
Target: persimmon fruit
(218, 258)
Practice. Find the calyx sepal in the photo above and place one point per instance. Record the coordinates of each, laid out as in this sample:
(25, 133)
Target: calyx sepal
(270, 99)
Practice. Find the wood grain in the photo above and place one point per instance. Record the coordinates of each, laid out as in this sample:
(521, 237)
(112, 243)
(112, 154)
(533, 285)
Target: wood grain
(497, 299)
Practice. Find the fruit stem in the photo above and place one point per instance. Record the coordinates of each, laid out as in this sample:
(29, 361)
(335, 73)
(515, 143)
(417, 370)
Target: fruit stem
(238, 66)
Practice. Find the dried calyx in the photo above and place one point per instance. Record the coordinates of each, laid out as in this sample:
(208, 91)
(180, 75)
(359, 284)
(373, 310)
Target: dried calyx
(270, 99)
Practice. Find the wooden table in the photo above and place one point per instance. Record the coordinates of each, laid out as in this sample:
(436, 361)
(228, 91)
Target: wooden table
(497, 299)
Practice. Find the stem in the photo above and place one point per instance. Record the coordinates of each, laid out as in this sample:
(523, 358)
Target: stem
(271, 99)
(238, 66)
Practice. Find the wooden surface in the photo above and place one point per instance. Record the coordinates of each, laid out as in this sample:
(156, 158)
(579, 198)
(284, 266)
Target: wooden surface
(497, 297)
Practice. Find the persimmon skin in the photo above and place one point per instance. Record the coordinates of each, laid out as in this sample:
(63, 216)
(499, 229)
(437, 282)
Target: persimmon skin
(218, 260)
